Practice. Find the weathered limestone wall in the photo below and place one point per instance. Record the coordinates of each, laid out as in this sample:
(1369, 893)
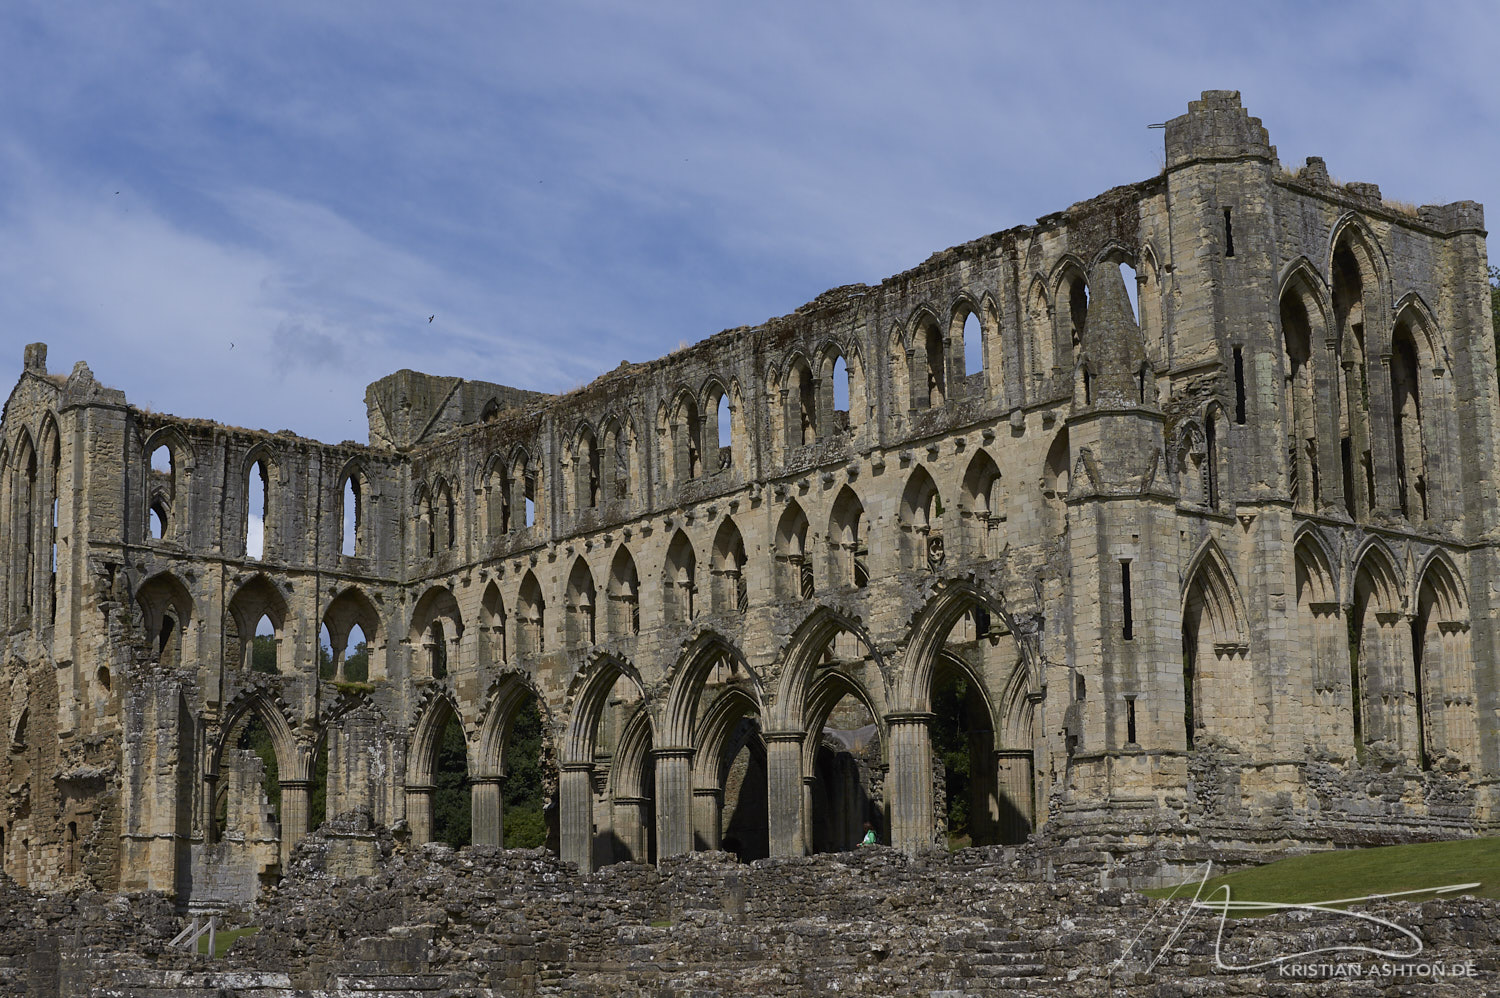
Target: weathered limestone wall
(1211, 559)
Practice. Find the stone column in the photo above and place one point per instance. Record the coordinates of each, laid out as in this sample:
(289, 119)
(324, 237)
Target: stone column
(295, 795)
(708, 817)
(910, 785)
(630, 828)
(674, 801)
(575, 814)
(810, 842)
(419, 812)
(487, 810)
(1017, 807)
(784, 792)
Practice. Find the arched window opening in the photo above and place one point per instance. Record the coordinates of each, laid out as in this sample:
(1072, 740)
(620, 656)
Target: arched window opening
(327, 657)
(726, 432)
(1078, 312)
(352, 514)
(265, 647)
(902, 396)
(530, 500)
(679, 580)
(1301, 404)
(497, 498)
(1353, 415)
(617, 464)
(973, 346)
(802, 404)
(1132, 290)
(587, 458)
(1411, 450)
(921, 522)
(52, 532)
(492, 649)
(731, 590)
(937, 368)
(357, 656)
(581, 606)
(841, 394)
(446, 517)
(624, 595)
(1040, 335)
(685, 433)
(158, 520)
(847, 541)
(258, 496)
(794, 575)
(985, 504)
(531, 632)
(436, 647)
(162, 489)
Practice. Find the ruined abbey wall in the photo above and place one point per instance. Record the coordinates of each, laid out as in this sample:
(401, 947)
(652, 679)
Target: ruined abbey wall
(1215, 561)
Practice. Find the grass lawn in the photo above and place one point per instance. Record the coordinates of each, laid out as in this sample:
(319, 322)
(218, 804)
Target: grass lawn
(223, 939)
(1350, 873)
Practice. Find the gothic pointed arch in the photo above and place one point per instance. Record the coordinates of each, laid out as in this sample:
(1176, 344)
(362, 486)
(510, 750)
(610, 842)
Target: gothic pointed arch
(426, 736)
(708, 654)
(952, 599)
(731, 586)
(588, 695)
(848, 540)
(680, 580)
(794, 570)
(624, 594)
(804, 653)
(166, 612)
(582, 605)
(531, 618)
(1219, 694)
(493, 650)
(921, 522)
(507, 695)
(437, 626)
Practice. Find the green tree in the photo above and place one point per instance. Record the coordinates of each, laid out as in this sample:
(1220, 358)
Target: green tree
(525, 821)
(263, 653)
(452, 806)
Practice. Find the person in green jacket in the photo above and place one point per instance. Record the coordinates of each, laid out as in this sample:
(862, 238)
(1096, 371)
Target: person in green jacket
(869, 839)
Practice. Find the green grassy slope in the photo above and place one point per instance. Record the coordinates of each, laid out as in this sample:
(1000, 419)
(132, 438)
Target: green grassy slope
(1349, 873)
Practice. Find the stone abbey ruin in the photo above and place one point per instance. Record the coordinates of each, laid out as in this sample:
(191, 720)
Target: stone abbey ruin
(1207, 561)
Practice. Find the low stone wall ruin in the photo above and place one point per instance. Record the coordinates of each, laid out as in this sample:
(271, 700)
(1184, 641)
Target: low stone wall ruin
(482, 922)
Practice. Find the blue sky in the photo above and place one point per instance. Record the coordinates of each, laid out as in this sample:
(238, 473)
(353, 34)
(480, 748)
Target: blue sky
(568, 185)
